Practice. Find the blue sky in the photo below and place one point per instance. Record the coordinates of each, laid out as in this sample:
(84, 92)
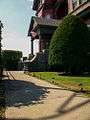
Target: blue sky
(16, 15)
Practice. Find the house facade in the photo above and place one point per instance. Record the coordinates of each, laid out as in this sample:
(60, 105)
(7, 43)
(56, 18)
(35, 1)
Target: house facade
(49, 14)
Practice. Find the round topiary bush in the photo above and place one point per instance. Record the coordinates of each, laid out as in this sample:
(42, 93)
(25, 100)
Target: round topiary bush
(70, 46)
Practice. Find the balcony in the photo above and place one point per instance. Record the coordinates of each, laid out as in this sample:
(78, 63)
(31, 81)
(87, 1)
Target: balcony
(82, 8)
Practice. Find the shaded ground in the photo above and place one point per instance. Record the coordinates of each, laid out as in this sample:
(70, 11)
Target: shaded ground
(23, 93)
(28, 98)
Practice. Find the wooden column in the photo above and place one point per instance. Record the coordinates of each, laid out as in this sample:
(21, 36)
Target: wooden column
(32, 45)
(40, 43)
(78, 2)
(70, 6)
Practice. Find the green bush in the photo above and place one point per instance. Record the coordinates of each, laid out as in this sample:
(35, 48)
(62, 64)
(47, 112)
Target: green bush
(11, 59)
(70, 46)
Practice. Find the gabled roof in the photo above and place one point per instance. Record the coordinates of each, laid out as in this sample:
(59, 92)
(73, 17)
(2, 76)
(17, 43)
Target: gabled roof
(37, 21)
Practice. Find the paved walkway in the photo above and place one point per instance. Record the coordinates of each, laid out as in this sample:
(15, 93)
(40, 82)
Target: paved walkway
(28, 98)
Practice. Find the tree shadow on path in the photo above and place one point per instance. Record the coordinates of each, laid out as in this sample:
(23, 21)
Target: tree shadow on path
(22, 93)
(62, 109)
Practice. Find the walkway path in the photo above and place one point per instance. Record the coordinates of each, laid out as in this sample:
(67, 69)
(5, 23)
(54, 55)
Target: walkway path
(28, 98)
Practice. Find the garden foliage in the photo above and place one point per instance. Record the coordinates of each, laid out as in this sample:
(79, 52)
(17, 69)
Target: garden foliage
(11, 59)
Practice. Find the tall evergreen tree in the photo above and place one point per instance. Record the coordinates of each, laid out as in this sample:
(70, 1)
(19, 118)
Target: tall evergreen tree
(70, 46)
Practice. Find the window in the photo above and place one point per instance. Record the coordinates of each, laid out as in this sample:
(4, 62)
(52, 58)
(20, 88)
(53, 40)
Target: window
(74, 2)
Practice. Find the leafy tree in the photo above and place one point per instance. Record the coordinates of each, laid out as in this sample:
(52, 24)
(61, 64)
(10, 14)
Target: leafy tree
(70, 46)
(11, 58)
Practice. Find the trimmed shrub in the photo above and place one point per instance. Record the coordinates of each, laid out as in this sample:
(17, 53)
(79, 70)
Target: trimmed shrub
(70, 46)
(11, 59)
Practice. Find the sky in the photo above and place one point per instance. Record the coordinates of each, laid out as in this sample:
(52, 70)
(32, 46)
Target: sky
(15, 16)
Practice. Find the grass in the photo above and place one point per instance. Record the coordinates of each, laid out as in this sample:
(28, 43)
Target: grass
(79, 83)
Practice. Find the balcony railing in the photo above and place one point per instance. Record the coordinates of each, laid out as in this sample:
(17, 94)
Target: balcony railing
(82, 1)
(74, 3)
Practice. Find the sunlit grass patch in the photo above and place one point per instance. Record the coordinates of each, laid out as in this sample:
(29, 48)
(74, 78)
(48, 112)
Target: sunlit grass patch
(79, 83)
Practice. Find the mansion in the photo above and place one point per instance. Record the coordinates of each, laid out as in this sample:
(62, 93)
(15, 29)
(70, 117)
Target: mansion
(49, 14)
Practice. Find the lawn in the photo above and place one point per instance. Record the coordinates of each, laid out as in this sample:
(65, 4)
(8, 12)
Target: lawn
(75, 83)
